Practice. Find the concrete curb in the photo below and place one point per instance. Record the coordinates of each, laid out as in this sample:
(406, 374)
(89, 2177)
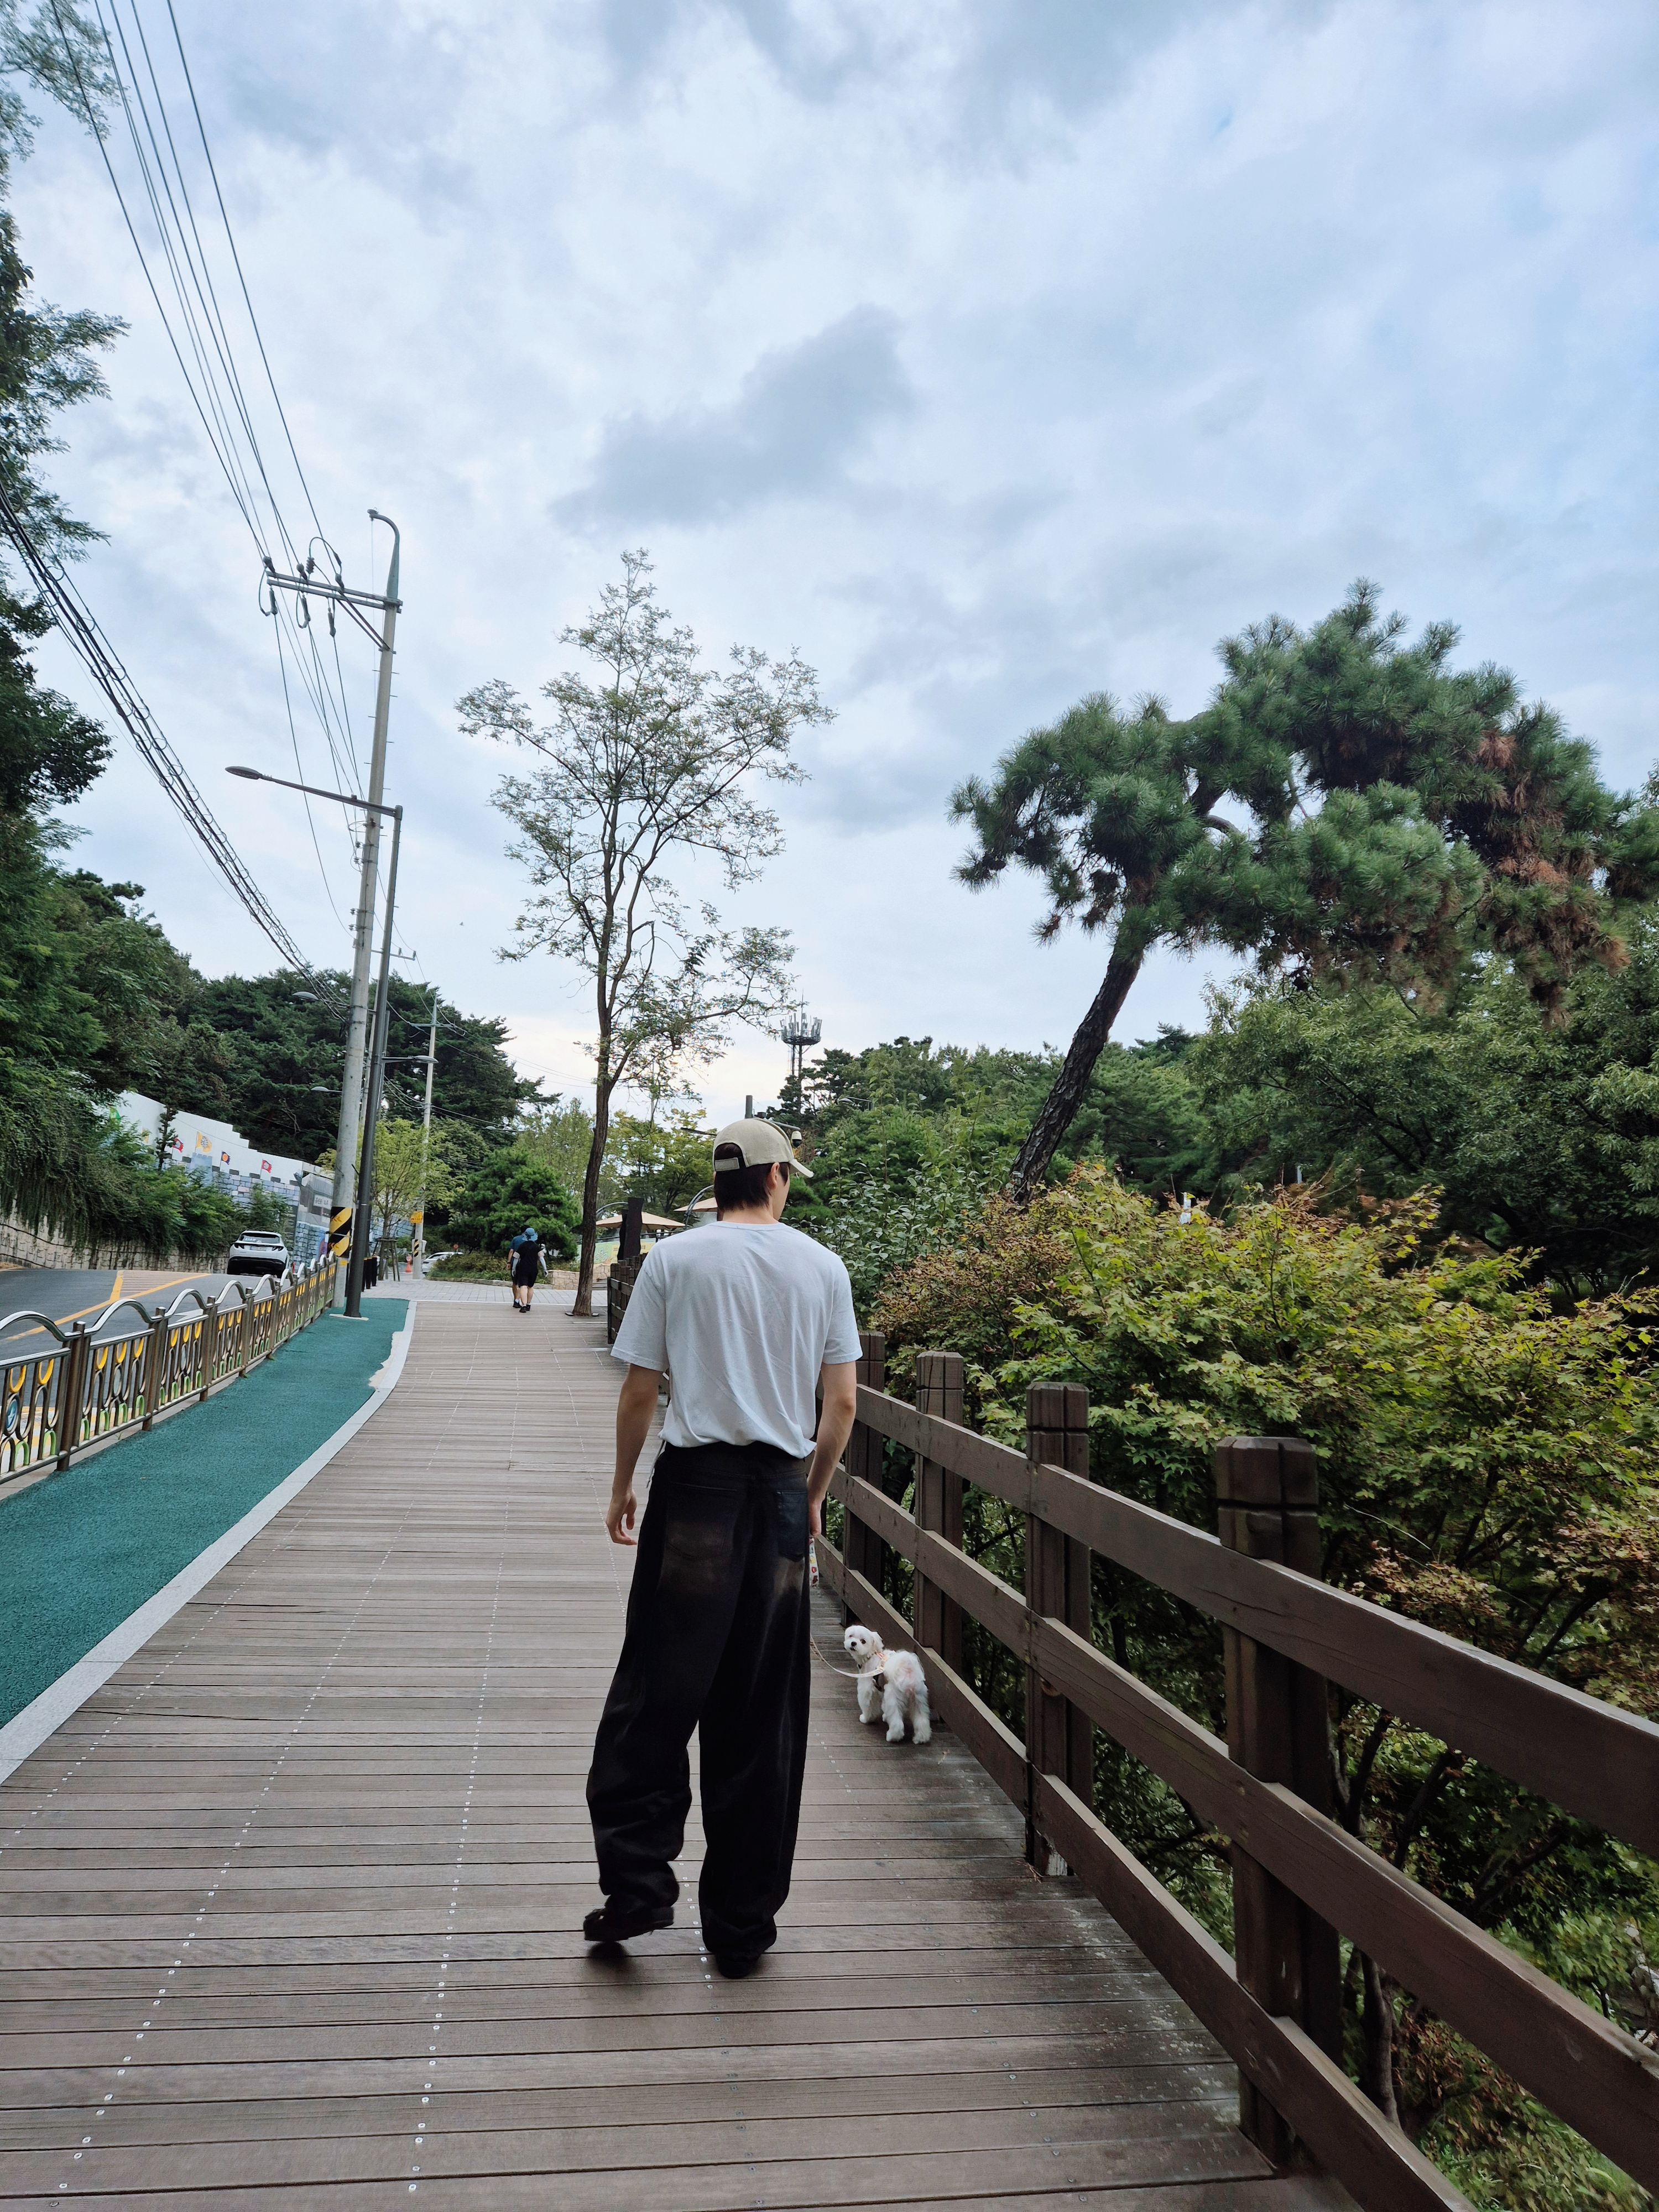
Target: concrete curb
(25, 1733)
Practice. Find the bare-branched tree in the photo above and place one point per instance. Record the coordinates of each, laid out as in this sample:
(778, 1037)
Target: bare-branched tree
(659, 758)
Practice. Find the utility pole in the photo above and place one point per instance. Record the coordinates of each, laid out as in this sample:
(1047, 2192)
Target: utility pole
(351, 1090)
(363, 1226)
(426, 1142)
(365, 1198)
(309, 584)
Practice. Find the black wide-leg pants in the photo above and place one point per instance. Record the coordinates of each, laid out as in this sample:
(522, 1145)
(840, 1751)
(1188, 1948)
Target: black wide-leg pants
(717, 1640)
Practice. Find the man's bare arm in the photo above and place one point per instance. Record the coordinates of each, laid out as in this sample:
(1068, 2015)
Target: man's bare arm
(635, 1408)
(841, 1397)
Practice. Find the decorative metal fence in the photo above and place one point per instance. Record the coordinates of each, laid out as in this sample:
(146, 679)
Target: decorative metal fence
(97, 1379)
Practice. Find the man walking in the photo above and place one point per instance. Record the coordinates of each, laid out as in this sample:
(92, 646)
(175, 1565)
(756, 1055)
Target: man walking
(749, 1318)
(526, 1251)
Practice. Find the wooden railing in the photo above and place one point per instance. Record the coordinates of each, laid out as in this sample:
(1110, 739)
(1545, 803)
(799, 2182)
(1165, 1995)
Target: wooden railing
(95, 1381)
(1300, 1881)
(619, 1289)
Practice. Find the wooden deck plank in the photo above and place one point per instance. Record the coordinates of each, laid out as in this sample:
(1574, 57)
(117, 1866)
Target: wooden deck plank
(979, 2183)
(303, 1880)
(1180, 2136)
(1127, 2050)
(265, 2108)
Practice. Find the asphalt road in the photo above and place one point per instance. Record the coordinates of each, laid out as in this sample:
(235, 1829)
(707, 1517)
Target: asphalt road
(78, 1293)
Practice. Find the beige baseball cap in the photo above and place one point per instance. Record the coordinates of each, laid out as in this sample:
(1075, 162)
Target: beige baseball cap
(757, 1144)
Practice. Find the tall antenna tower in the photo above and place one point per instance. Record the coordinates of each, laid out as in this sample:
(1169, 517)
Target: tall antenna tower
(800, 1035)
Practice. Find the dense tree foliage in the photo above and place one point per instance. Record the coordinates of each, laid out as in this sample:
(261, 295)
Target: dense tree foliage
(558, 1132)
(1541, 1135)
(512, 1190)
(1487, 1465)
(1539, 1130)
(905, 1138)
(664, 1164)
(63, 962)
(287, 1047)
(1391, 817)
(94, 1001)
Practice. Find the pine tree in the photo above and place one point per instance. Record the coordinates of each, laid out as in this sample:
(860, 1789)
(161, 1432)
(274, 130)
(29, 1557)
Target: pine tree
(1388, 815)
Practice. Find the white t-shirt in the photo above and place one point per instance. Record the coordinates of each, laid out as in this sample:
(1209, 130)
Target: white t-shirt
(743, 1314)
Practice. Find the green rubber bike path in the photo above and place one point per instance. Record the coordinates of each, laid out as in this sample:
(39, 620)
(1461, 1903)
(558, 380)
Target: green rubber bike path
(82, 1550)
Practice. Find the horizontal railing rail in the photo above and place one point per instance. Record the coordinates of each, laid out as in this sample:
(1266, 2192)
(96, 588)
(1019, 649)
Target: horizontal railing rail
(95, 1381)
(1589, 1757)
(1298, 1876)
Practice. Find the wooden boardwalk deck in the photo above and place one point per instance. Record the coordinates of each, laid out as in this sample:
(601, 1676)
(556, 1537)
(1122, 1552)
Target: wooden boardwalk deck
(291, 1905)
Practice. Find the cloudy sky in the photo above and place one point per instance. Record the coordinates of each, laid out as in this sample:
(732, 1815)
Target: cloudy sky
(989, 353)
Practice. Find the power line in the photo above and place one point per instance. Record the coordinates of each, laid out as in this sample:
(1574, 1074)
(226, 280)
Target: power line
(230, 237)
(94, 125)
(299, 767)
(78, 625)
(202, 338)
(321, 700)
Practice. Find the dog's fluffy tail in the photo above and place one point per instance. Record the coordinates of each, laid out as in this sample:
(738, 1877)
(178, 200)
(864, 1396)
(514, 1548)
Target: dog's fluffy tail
(921, 1717)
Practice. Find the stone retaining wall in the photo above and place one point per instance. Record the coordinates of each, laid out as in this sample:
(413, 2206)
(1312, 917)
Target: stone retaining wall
(23, 1247)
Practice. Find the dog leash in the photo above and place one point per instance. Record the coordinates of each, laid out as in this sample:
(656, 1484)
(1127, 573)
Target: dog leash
(861, 1675)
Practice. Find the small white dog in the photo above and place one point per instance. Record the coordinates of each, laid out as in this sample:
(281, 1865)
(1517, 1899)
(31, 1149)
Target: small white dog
(891, 1682)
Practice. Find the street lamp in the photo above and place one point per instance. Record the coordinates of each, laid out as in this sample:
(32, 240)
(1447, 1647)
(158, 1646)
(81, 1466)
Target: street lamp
(362, 1221)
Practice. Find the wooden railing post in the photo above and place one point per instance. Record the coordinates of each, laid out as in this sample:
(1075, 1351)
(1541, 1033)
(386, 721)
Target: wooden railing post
(938, 1619)
(861, 1549)
(1059, 1736)
(1278, 1729)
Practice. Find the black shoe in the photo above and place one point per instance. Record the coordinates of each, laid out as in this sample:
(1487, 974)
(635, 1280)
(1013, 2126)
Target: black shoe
(618, 1924)
(737, 1966)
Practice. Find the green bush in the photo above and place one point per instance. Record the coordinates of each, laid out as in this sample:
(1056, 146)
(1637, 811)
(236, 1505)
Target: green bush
(470, 1268)
(1487, 1465)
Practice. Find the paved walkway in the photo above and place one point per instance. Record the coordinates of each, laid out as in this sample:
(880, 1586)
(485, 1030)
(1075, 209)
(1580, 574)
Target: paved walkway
(290, 1907)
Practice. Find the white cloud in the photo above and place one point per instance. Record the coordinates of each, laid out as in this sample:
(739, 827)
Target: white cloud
(990, 353)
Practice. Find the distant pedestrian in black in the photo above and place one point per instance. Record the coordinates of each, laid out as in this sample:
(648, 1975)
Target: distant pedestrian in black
(527, 1251)
(371, 1271)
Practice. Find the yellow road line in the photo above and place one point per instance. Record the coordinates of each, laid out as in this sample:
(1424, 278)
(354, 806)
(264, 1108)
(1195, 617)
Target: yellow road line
(170, 1284)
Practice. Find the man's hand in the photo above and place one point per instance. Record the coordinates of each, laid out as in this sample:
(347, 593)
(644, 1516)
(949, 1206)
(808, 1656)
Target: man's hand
(635, 1407)
(619, 1514)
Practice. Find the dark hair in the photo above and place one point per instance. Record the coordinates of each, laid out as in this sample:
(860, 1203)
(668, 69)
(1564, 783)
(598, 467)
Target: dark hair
(738, 1189)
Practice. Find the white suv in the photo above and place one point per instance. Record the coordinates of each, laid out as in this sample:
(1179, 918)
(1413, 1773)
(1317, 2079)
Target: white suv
(258, 1252)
